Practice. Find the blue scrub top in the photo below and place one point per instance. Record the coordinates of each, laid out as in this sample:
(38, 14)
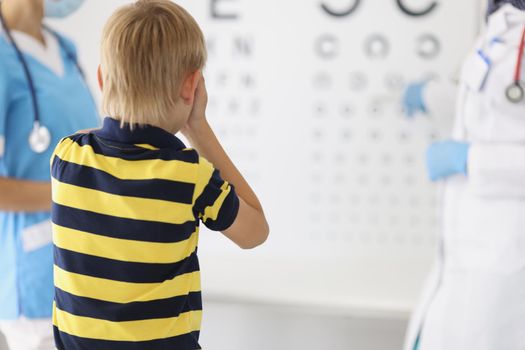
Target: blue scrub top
(66, 106)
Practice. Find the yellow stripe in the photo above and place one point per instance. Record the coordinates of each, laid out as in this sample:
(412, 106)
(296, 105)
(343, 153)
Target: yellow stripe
(132, 331)
(121, 206)
(146, 146)
(173, 170)
(122, 249)
(125, 292)
(212, 212)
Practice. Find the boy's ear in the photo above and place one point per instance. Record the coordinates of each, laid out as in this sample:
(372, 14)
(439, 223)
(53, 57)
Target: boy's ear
(189, 86)
(99, 77)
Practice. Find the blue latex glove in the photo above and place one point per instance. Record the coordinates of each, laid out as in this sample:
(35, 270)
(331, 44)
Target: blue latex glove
(413, 99)
(447, 158)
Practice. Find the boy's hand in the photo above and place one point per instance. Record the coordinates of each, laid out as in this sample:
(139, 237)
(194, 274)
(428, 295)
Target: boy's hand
(198, 114)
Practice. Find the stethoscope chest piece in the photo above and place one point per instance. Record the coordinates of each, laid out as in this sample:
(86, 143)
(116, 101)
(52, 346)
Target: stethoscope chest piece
(40, 138)
(515, 93)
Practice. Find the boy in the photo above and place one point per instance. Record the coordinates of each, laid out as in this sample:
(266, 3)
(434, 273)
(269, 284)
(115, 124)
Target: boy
(128, 198)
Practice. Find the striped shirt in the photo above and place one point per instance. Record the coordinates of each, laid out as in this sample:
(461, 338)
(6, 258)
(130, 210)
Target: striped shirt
(126, 211)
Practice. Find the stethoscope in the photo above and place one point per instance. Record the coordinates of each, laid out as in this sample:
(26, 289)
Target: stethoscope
(40, 136)
(515, 92)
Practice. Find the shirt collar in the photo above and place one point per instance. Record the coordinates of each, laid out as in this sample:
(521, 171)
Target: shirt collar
(148, 134)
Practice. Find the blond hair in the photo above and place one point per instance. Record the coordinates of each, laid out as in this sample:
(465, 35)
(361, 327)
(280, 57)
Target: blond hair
(148, 48)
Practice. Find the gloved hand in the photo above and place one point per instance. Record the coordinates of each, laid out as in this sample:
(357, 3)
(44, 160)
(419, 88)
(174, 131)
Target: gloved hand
(447, 158)
(413, 99)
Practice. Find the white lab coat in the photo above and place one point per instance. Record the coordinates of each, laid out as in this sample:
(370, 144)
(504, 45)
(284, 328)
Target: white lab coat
(475, 297)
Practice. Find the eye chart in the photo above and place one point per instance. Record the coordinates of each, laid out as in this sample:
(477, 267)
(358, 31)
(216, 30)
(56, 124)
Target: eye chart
(306, 97)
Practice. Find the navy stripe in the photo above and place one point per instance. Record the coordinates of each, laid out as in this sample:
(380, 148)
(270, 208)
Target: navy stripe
(131, 152)
(227, 214)
(65, 341)
(87, 177)
(136, 311)
(115, 227)
(123, 271)
(113, 129)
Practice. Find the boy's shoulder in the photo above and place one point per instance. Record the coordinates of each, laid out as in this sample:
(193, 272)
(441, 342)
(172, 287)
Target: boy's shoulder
(69, 140)
(88, 141)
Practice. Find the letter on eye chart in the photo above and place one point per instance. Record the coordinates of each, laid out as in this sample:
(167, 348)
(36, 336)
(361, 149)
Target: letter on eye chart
(218, 13)
(343, 12)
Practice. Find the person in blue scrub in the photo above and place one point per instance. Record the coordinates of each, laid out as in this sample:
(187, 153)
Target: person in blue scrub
(43, 97)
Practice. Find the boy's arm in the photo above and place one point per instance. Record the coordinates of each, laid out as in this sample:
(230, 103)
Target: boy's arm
(250, 228)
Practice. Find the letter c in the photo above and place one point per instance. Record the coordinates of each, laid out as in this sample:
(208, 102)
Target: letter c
(413, 13)
(344, 13)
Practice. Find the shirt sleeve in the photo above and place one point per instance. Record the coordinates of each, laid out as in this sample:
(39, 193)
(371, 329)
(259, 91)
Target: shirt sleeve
(216, 203)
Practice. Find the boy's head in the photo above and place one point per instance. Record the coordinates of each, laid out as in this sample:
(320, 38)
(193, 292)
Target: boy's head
(152, 55)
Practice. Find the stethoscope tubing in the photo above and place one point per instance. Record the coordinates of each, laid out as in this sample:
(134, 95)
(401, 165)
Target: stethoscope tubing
(39, 139)
(517, 72)
(25, 66)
